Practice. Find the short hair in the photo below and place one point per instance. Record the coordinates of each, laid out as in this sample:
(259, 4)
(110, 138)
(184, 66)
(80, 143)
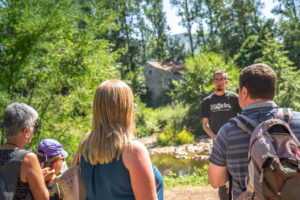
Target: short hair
(49, 161)
(260, 81)
(18, 116)
(113, 123)
(220, 72)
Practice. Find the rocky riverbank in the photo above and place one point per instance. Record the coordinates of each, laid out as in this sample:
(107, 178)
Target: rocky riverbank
(199, 150)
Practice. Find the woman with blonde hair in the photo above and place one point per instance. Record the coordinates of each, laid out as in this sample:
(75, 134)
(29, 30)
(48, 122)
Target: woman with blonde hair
(113, 164)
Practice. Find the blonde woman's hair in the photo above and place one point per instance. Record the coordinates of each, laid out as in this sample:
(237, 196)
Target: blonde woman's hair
(113, 123)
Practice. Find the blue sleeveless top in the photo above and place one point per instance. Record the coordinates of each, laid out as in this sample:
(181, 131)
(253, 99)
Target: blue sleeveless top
(112, 181)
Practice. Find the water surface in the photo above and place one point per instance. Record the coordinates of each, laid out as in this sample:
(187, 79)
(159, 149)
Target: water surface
(168, 162)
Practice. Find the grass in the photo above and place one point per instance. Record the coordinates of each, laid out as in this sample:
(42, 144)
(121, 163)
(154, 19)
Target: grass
(198, 178)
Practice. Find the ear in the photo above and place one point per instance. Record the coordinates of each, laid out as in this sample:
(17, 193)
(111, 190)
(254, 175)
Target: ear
(244, 92)
(25, 132)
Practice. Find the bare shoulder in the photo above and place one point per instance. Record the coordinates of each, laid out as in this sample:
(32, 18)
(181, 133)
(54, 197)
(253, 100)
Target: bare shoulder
(29, 166)
(136, 154)
(30, 159)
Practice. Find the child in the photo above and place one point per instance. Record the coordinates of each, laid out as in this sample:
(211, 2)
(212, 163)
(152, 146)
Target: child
(51, 154)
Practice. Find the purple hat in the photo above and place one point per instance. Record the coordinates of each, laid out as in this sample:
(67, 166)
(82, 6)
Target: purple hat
(50, 147)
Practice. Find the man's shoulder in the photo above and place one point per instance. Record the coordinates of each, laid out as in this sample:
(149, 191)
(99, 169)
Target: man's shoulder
(296, 118)
(231, 95)
(208, 97)
(296, 114)
(230, 129)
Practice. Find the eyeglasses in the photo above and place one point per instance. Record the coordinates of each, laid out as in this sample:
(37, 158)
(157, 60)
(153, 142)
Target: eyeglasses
(36, 126)
(220, 80)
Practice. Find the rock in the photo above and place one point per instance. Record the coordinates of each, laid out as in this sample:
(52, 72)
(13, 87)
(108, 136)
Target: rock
(199, 150)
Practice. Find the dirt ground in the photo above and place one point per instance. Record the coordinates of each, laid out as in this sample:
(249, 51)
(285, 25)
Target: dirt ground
(191, 193)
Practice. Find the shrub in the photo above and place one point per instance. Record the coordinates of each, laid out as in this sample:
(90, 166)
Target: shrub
(142, 131)
(184, 137)
(167, 138)
(172, 136)
(146, 122)
(171, 115)
(198, 178)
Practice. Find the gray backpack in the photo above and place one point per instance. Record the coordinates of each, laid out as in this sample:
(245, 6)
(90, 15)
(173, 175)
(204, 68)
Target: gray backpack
(9, 174)
(274, 158)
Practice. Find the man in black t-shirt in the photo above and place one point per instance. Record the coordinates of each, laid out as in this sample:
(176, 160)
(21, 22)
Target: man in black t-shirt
(217, 109)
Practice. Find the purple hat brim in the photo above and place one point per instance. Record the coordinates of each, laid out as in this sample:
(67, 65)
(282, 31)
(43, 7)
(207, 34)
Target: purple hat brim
(64, 153)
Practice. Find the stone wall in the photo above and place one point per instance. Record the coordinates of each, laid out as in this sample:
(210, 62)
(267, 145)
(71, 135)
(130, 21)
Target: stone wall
(158, 81)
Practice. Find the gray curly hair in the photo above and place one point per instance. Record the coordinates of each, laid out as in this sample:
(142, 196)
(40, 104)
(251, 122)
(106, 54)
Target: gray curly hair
(18, 116)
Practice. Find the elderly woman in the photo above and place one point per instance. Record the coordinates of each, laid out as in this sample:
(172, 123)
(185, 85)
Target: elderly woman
(19, 126)
(113, 164)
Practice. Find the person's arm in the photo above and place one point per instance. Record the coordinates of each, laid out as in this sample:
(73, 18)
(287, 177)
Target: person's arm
(217, 169)
(137, 161)
(31, 172)
(217, 175)
(207, 129)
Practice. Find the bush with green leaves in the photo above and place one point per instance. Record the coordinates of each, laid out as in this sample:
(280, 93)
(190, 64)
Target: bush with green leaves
(170, 136)
(198, 178)
(171, 122)
(146, 119)
(184, 137)
(173, 115)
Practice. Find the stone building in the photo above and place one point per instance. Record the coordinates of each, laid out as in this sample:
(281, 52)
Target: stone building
(158, 78)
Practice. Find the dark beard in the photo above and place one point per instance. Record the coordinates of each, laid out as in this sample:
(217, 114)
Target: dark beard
(219, 90)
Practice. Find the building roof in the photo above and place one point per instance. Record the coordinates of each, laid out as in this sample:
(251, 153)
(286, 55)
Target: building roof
(174, 67)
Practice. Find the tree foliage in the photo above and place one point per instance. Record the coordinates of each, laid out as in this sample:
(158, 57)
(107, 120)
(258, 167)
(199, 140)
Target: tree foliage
(54, 53)
(188, 11)
(53, 59)
(289, 30)
(288, 86)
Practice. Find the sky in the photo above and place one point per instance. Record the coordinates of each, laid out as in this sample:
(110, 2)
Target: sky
(173, 20)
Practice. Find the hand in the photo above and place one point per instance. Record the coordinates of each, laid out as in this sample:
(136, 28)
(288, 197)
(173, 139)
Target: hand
(49, 175)
(214, 137)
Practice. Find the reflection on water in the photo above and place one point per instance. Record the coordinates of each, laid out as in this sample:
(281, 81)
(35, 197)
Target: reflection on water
(168, 162)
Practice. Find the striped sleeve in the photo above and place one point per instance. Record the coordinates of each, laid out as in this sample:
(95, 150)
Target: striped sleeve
(218, 154)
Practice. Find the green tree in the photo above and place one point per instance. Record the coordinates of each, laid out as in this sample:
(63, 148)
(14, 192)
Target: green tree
(53, 60)
(289, 30)
(176, 50)
(253, 46)
(229, 24)
(288, 86)
(156, 16)
(187, 11)
(126, 37)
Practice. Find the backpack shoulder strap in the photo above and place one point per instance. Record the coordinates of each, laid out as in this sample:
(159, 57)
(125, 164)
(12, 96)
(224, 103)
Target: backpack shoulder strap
(9, 174)
(245, 123)
(20, 155)
(285, 114)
